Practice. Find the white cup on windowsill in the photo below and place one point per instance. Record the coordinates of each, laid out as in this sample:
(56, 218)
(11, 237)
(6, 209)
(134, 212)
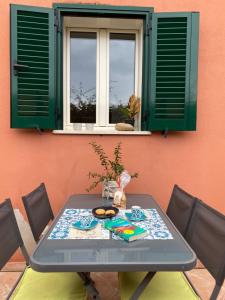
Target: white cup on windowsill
(89, 126)
(77, 126)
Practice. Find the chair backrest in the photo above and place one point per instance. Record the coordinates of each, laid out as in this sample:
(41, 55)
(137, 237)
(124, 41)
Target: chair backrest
(206, 235)
(180, 209)
(38, 209)
(10, 238)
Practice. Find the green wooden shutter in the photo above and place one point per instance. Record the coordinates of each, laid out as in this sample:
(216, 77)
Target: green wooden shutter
(32, 67)
(173, 71)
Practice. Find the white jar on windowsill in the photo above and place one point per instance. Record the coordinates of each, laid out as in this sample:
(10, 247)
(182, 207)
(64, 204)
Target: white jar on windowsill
(89, 126)
(77, 126)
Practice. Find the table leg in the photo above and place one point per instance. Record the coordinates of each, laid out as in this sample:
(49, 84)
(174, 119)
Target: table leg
(88, 274)
(89, 285)
(142, 285)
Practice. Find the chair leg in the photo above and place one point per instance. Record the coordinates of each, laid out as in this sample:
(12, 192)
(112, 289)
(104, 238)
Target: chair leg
(142, 285)
(193, 287)
(88, 274)
(215, 292)
(15, 285)
(89, 285)
(25, 254)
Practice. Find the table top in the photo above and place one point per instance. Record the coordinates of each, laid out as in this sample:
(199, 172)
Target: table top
(113, 255)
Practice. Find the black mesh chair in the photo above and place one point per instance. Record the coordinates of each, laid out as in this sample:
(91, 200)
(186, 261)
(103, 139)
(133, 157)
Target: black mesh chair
(38, 209)
(180, 209)
(206, 236)
(31, 284)
(10, 238)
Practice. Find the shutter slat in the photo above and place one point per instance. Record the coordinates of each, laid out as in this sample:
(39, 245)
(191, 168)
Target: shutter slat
(166, 68)
(32, 18)
(32, 91)
(33, 107)
(169, 104)
(33, 75)
(22, 50)
(32, 97)
(33, 101)
(171, 54)
(174, 42)
(30, 80)
(32, 46)
(32, 63)
(34, 69)
(33, 85)
(31, 11)
(33, 41)
(29, 24)
(181, 37)
(31, 33)
(168, 99)
(32, 57)
(170, 51)
(170, 84)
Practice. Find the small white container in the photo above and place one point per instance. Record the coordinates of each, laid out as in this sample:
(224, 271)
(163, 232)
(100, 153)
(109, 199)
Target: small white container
(77, 126)
(89, 126)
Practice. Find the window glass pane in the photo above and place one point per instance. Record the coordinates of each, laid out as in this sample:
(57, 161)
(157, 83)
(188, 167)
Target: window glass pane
(83, 77)
(121, 73)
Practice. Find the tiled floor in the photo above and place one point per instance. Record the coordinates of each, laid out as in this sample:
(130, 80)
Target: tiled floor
(107, 283)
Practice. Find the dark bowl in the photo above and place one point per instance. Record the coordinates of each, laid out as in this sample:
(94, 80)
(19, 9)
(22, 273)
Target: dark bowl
(104, 216)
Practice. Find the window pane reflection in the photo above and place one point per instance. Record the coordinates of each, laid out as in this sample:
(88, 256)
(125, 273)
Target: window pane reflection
(121, 73)
(83, 77)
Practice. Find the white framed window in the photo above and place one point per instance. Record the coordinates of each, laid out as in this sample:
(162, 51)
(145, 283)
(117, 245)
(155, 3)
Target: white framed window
(102, 68)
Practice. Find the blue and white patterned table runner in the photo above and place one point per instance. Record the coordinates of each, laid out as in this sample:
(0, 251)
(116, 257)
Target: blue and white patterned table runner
(155, 226)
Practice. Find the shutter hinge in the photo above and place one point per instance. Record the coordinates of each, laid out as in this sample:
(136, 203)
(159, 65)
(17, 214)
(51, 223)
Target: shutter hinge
(40, 130)
(148, 29)
(56, 22)
(165, 132)
(149, 26)
(144, 120)
(145, 116)
(57, 114)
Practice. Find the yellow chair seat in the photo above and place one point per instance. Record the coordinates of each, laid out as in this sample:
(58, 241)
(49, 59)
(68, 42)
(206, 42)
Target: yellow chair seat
(163, 286)
(48, 286)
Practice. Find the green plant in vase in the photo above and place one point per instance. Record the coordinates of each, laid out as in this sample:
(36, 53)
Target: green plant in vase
(112, 169)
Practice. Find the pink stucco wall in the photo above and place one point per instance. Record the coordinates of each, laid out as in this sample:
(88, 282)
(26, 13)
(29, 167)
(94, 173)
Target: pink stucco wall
(194, 160)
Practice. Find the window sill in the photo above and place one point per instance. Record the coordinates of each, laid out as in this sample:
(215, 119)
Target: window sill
(101, 132)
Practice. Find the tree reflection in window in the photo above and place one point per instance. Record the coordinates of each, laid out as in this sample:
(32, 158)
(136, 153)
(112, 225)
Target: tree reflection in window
(83, 77)
(121, 73)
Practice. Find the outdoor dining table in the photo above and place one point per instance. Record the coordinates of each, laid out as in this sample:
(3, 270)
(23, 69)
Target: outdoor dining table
(112, 255)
